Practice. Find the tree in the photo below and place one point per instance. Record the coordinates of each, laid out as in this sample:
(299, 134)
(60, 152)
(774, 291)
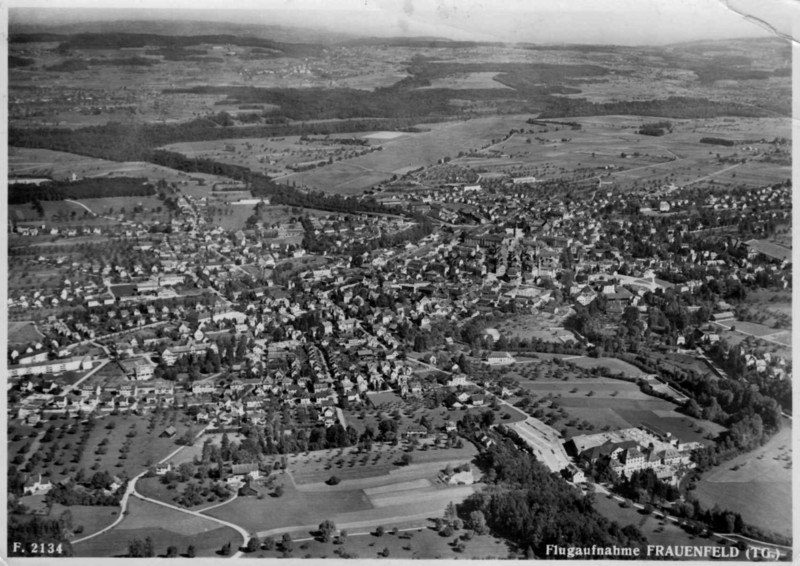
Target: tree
(380, 531)
(477, 522)
(226, 549)
(149, 548)
(278, 490)
(287, 544)
(326, 530)
(406, 459)
(191, 552)
(253, 544)
(172, 551)
(269, 543)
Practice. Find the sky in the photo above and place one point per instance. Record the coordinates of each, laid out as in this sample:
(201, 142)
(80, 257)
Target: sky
(623, 22)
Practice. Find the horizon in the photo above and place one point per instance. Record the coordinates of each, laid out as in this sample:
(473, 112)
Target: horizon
(613, 22)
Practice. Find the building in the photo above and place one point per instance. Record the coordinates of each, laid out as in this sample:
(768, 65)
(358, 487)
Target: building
(53, 367)
(499, 358)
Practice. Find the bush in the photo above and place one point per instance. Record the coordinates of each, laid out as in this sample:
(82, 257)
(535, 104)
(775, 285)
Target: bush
(333, 480)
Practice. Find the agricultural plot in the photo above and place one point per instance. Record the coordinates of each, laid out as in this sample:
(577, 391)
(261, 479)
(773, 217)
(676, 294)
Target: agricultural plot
(757, 485)
(86, 519)
(410, 543)
(130, 445)
(477, 80)
(273, 156)
(60, 165)
(383, 461)
(23, 331)
(417, 150)
(545, 327)
(293, 509)
(167, 527)
(588, 405)
(614, 365)
(656, 530)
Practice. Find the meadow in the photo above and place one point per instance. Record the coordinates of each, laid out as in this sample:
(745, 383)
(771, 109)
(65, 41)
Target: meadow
(757, 484)
(409, 543)
(166, 527)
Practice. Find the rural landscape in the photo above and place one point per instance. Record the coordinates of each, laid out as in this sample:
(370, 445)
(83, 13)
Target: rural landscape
(290, 292)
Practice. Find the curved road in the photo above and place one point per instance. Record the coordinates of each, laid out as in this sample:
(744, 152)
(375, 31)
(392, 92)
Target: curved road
(131, 490)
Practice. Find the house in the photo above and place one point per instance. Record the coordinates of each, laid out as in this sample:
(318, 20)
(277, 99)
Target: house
(499, 358)
(162, 469)
(477, 400)
(415, 431)
(36, 486)
(169, 432)
(250, 471)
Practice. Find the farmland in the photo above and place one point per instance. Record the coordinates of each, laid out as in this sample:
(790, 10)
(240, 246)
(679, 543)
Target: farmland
(409, 543)
(416, 150)
(166, 527)
(382, 460)
(399, 491)
(118, 444)
(541, 326)
(574, 401)
(756, 485)
(656, 530)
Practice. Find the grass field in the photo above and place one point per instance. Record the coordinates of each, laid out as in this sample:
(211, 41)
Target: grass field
(588, 405)
(23, 331)
(348, 464)
(758, 485)
(91, 518)
(443, 139)
(166, 527)
(545, 326)
(422, 543)
(657, 531)
(294, 508)
(613, 364)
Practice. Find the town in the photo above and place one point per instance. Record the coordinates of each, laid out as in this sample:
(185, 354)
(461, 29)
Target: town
(210, 357)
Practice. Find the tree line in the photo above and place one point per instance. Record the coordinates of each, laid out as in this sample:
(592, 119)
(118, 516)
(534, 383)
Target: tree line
(19, 193)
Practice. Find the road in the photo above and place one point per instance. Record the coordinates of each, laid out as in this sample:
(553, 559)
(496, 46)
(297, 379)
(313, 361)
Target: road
(245, 535)
(131, 490)
(90, 374)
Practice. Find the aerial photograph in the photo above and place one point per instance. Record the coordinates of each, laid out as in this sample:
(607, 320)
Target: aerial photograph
(399, 279)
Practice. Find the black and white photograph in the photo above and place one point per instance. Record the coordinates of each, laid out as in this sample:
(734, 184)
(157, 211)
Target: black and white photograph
(398, 280)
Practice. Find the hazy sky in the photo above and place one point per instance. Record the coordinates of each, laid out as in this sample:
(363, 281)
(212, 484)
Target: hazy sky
(630, 22)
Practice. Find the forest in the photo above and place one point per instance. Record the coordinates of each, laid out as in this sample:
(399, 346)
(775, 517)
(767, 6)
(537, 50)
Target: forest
(139, 40)
(83, 188)
(532, 507)
(679, 107)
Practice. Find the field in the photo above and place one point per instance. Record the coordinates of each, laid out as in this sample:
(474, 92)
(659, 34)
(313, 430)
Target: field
(610, 146)
(389, 406)
(22, 332)
(382, 460)
(422, 543)
(272, 156)
(758, 485)
(403, 493)
(416, 150)
(166, 527)
(544, 326)
(656, 530)
(146, 447)
(91, 518)
(574, 402)
(60, 165)
(482, 80)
